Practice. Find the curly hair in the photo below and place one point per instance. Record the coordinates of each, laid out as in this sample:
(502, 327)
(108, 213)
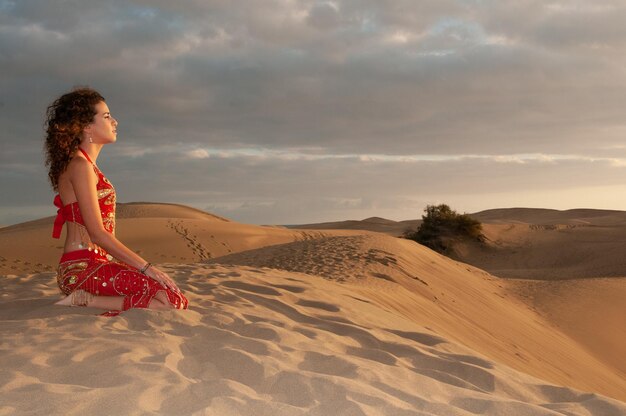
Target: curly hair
(66, 118)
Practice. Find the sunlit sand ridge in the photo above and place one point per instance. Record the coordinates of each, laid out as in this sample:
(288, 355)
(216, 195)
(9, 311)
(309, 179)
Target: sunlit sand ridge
(289, 322)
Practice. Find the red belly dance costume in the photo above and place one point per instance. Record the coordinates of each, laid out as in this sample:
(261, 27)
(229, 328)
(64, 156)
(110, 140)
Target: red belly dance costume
(93, 270)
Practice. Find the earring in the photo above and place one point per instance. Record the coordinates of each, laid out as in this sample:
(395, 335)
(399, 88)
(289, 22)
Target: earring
(90, 139)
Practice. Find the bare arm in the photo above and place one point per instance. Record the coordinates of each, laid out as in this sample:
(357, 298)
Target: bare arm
(84, 180)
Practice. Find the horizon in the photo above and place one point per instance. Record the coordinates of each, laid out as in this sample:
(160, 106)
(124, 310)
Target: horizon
(313, 111)
(51, 217)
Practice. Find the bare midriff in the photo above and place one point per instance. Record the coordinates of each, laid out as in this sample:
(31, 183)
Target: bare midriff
(77, 238)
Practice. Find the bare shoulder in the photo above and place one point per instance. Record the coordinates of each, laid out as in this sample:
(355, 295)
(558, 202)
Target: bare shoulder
(79, 167)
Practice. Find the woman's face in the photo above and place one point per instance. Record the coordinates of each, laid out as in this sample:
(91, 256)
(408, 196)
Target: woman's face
(103, 130)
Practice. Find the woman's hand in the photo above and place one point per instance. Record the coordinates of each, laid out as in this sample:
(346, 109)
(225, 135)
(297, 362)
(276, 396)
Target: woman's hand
(162, 278)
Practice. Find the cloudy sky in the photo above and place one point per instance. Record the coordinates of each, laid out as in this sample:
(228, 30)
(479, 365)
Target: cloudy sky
(286, 112)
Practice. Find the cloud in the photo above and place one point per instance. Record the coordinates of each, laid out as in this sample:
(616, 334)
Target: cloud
(372, 82)
(194, 74)
(198, 154)
(257, 187)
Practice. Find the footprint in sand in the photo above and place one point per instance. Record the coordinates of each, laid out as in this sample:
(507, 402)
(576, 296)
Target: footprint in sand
(262, 290)
(373, 354)
(292, 289)
(328, 364)
(318, 305)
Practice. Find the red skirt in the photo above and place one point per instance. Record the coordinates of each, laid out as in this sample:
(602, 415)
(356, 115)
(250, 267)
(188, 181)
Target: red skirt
(95, 273)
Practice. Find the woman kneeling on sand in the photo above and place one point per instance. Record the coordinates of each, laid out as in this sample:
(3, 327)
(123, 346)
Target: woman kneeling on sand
(78, 125)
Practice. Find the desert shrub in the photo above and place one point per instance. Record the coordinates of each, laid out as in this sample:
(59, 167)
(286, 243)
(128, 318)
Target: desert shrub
(441, 227)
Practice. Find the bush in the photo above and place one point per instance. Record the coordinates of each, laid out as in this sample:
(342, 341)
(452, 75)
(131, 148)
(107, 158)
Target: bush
(441, 227)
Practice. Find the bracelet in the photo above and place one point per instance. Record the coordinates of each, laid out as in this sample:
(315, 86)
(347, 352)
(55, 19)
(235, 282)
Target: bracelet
(145, 268)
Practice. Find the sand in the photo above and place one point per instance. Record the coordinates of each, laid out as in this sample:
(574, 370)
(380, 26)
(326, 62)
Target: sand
(301, 322)
(549, 244)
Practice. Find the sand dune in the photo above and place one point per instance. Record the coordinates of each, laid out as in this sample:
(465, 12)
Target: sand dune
(461, 302)
(289, 322)
(549, 252)
(552, 216)
(550, 244)
(569, 255)
(532, 243)
(377, 224)
(256, 341)
(590, 311)
(190, 235)
(161, 210)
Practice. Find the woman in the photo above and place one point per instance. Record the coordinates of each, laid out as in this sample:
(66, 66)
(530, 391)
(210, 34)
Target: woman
(79, 124)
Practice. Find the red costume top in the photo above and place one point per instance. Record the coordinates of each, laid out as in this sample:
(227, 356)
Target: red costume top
(95, 271)
(71, 212)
